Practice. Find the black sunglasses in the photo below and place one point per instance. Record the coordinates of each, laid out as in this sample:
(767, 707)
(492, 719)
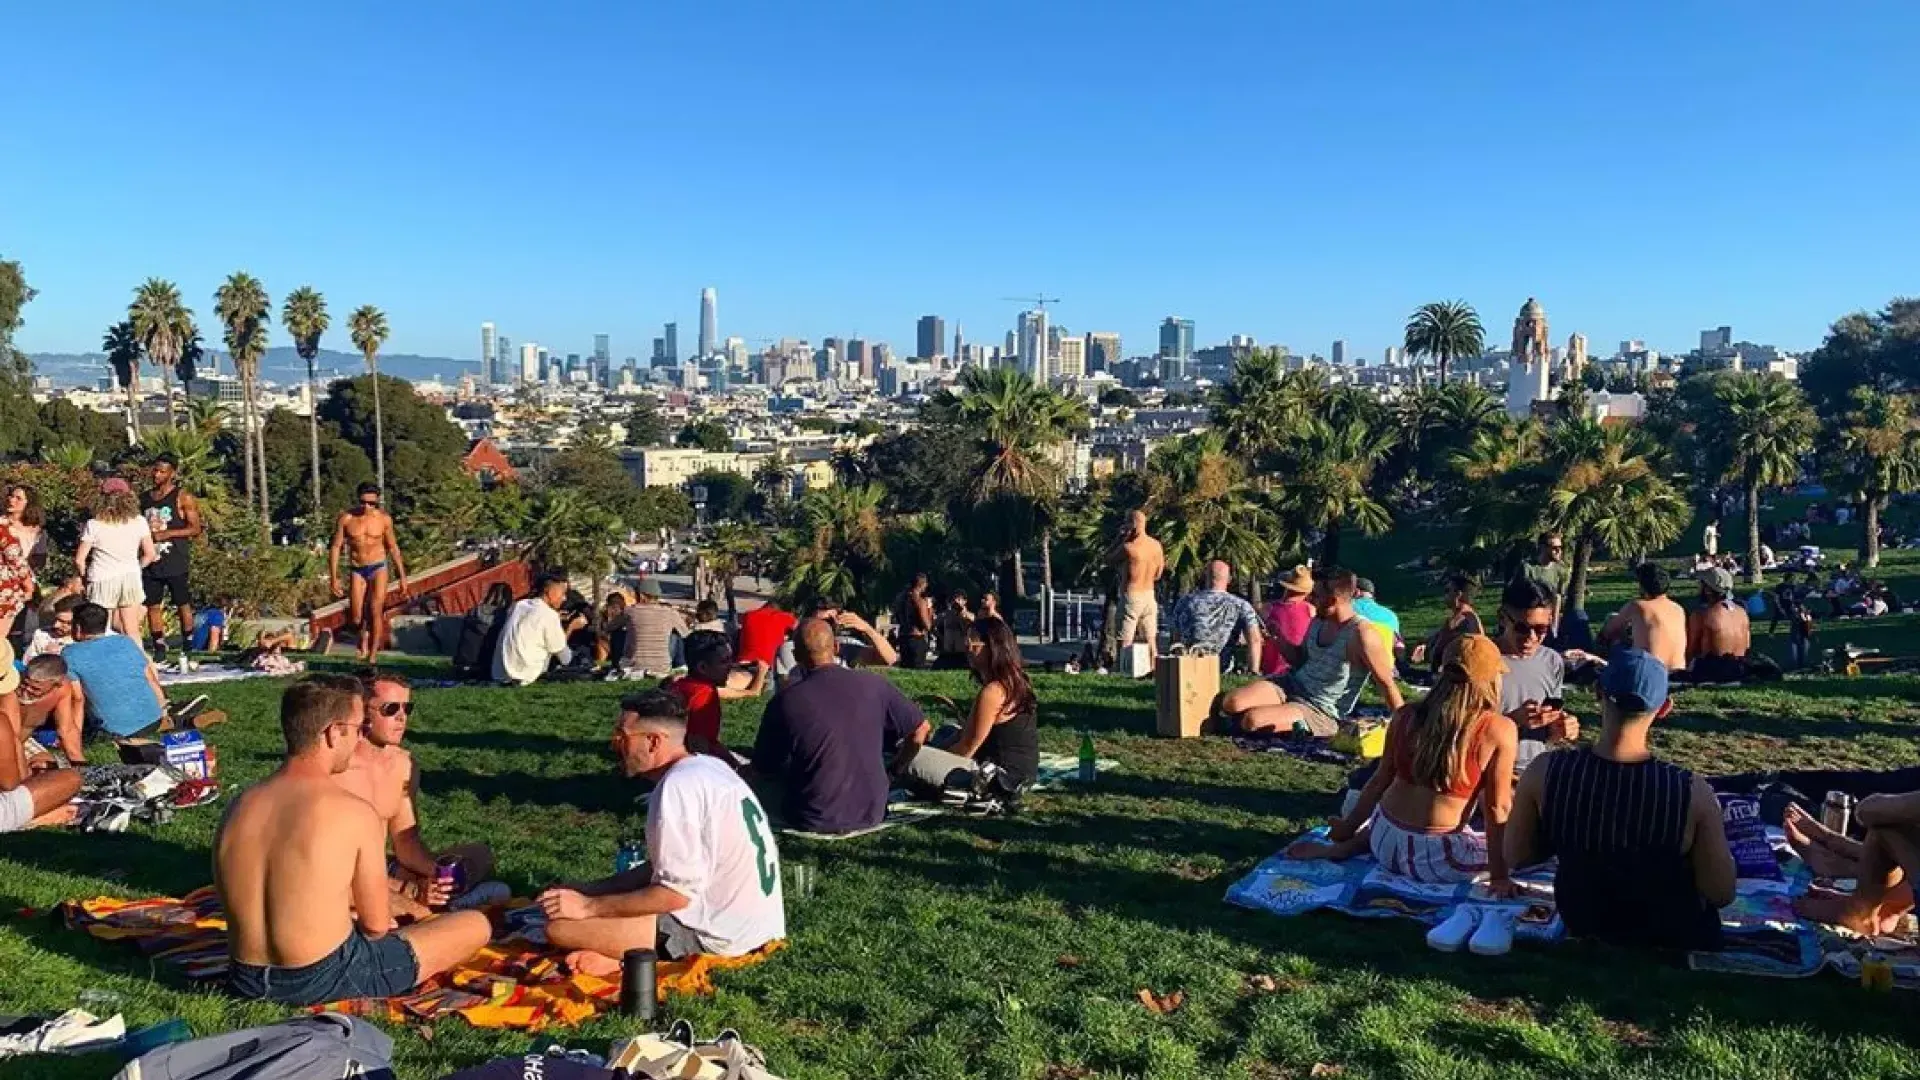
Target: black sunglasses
(395, 708)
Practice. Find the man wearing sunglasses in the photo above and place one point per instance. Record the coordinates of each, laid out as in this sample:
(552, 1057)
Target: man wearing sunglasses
(1536, 678)
(383, 773)
(367, 532)
(1548, 571)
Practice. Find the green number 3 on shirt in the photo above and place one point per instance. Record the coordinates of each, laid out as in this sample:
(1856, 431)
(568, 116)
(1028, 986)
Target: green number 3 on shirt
(764, 861)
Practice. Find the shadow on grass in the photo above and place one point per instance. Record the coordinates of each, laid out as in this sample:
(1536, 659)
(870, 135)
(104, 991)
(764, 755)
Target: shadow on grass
(138, 864)
(504, 741)
(595, 788)
(51, 934)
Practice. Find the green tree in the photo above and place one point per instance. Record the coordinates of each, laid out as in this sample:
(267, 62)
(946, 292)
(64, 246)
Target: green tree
(1119, 397)
(122, 347)
(162, 323)
(708, 435)
(20, 428)
(727, 493)
(288, 442)
(1202, 508)
(206, 417)
(1437, 422)
(1877, 350)
(1874, 449)
(774, 483)
(834, 550)
(927, 467)
(570, 532)
(368, 328)
(1261, 403)
(1328, 469)
(657, 508)
(304, 314)
(1444, 332)
(1762, 427)
(1605, 491)
(645, 426)
(62, 422)
(67, 455)
(244, 310)
(15, 295)
(1017, 425)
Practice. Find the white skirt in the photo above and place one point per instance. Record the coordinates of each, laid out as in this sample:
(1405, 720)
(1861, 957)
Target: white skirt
(1433, 858)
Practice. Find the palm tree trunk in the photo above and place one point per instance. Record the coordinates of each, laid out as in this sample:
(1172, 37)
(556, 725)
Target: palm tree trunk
(166, 381)
(1753, 532)
(313, 438)
(379, 432)
(1047, 629)
(1870, 521)
(246, 436)
(1443, 364)
(260, 454)
(1577, 575)
(133, 406)
(1019, 576)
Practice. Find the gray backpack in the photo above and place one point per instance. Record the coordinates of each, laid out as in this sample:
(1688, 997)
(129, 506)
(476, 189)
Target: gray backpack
(327, 1046)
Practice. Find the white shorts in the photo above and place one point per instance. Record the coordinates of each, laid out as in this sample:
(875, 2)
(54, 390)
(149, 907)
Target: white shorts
(1434, 858)
(118, 592)
(16, 809)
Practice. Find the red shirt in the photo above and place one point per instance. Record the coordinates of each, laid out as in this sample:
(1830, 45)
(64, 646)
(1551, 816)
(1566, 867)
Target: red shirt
(703, 708)
(762, 631)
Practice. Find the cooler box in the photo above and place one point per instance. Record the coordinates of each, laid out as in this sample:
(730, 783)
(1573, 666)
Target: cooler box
(1136, 660)
(1185, 687)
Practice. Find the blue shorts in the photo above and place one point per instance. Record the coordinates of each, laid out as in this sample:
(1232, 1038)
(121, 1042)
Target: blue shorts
(362, 967)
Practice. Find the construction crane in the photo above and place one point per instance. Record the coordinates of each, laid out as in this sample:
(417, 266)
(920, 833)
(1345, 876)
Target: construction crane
(1039, 300)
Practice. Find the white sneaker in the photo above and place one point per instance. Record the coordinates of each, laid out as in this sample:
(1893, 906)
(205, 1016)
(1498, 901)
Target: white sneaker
(1455, 930)
(1495, 936)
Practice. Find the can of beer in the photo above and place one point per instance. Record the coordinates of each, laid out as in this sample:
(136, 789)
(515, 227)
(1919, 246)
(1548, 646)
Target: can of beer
(446, 875)
(1837, 812)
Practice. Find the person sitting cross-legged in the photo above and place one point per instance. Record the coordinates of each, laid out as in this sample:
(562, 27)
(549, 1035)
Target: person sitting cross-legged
(1643, 856)
(1212, 620)
(384, 774)
(1720, 634)
(1328, 669)
(301, 868)
(534, 640)
(1001, 728)
(711, 882)
(1883, 864)
(825, 737)
(24, 793)
(1445, 755)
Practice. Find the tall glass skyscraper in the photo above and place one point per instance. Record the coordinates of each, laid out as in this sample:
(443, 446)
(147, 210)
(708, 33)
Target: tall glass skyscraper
(488, 355)
(1176, 338)
(709, 323)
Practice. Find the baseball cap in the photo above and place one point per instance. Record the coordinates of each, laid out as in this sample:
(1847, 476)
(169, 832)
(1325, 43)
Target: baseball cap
(1363, 585)
(9, 675)
(1475, 657)
(1635, 680)
(647, 587)
(1717, 579)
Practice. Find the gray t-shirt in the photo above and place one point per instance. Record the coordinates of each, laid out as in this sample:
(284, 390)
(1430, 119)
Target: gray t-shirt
(1532, 678)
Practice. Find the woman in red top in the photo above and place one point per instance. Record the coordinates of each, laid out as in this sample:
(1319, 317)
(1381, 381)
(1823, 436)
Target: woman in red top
(1287, 620)
(1444, 755)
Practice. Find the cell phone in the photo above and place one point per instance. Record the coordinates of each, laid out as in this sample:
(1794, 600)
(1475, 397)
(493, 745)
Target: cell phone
(1553, 702)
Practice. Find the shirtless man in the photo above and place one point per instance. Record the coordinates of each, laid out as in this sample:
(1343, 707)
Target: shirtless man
(370, 532)
(1140, 562)
(1326, 671)
(1718, 632)
(1654, 623)
(384, 774)
(301, 869)
(47, 696)
(24, 793)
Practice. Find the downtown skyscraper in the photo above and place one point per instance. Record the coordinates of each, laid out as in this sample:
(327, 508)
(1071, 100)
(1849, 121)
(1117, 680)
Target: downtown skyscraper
(1033, 343)
(709, 323)
(489, 356)
(931, 337)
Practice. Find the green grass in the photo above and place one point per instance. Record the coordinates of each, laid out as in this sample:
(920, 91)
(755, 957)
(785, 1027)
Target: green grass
(1015, 949)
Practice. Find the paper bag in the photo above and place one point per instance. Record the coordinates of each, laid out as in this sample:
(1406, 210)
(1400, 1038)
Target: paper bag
(1185, 686)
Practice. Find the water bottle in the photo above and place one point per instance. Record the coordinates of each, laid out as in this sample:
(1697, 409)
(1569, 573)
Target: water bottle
(1089, 765)
(637, 987)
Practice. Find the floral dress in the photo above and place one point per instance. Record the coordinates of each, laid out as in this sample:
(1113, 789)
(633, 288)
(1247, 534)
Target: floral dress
(16, 575)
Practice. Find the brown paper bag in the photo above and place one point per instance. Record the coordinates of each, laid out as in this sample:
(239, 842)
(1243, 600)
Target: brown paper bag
(1185, 686)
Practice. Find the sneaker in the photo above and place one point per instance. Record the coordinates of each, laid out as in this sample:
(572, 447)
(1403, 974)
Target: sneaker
(1454, 931)
(1495, 936)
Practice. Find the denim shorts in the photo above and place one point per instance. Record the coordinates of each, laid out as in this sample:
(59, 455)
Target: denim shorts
(362, 967)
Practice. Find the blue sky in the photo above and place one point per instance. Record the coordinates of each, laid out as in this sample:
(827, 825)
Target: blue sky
(1298, 172)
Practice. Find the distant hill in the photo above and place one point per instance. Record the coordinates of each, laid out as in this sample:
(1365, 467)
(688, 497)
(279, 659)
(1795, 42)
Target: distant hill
(282, 365)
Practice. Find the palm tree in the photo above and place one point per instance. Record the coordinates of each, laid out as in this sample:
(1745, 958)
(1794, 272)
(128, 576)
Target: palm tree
(1762, 426)
(1605, 489)
(1202, 508)
(1018, 422)
(206, 417)
(1328, 471)
(68, 455)
(835, 550)
(569, 532)
(1875, 451)
(244, 309)
(368, 325)
(122, 347)
(305, 316)
(162, 323)
(731, 550)
(1445, 331)
(1260, 403)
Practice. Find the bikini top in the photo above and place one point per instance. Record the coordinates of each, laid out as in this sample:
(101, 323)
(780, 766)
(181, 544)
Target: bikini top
(1401, 737)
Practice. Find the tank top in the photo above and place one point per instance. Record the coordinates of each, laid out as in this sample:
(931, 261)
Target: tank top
(1325, 681)
(1402, 740)
(164, 513)
(1619, 830)
(1014, 745)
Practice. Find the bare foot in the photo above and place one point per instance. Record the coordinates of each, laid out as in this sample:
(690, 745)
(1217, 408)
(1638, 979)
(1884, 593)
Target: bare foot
(1845, 910)
(1826, 853)
(588, 962)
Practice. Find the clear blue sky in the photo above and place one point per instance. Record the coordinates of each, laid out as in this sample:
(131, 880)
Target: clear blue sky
(1299, 172)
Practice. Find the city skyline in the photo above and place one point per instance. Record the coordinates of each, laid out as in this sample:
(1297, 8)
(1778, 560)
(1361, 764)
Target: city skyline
(1630, 206)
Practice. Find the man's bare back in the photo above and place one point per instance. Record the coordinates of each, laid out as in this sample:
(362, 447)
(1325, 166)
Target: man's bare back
(1142, 560)
(1720, 629)
(1657, 626)
(286, 860)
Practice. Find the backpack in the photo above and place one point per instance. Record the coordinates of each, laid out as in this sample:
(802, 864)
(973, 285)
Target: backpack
(326, 1046)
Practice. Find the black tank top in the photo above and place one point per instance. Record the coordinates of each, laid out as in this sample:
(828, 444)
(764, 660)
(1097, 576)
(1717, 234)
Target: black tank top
(1014, 745)
(1619, 831)
(164, 513)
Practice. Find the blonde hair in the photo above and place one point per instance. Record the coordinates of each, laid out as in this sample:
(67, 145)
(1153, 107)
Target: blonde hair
(118, 507)
(1440, 727)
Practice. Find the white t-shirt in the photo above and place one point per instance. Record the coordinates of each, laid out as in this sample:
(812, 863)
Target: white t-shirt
(709, 840)
(531, 639)
(116, 547)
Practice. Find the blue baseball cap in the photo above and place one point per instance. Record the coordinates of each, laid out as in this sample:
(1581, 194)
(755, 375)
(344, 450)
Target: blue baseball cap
(1635, 680)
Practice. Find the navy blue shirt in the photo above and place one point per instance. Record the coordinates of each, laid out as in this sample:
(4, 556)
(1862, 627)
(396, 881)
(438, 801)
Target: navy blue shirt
(827, 736)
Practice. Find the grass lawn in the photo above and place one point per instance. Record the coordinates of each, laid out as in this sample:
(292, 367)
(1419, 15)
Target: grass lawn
(1016, 948)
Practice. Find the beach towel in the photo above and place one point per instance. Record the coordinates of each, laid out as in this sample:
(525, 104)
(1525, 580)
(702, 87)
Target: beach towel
(210, 673)
(514, 984)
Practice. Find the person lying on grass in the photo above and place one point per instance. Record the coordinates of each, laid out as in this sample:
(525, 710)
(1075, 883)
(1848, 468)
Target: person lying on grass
(301, 869)
(1643, 854)
(383, 773)
(1326, 672)
(711, 882)
(706, 684)
(1444, 755)
(1883, 864)
(24, 793)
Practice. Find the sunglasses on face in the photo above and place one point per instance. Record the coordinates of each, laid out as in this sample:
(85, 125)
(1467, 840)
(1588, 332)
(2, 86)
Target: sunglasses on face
(1538, 630)
(394, 708)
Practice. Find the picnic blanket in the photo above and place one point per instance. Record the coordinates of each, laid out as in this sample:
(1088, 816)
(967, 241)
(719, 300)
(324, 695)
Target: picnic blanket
(516, 984)
(905, 808)
(210, 673)
(1763, 935)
